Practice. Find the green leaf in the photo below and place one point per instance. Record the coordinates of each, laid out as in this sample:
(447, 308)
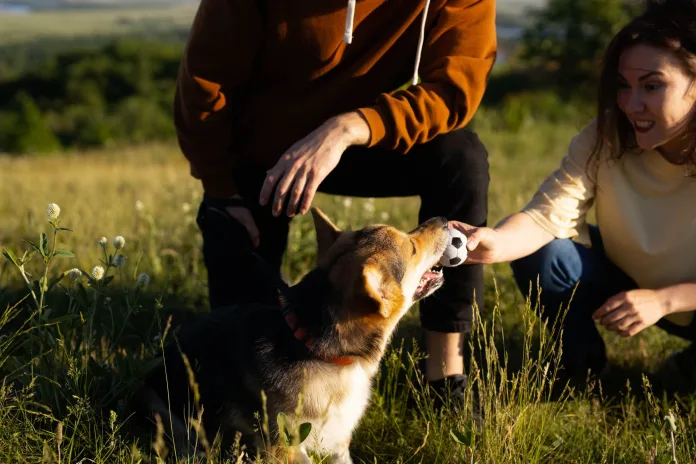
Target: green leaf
(65, 253)
(305, 429)
(106, 280)
(465, 439)
(64, 228)
(33, 245)
(9, 255)
(43, 245)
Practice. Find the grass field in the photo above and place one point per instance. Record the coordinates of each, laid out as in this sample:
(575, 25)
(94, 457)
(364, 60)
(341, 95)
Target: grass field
(90, 23)
(68, 369)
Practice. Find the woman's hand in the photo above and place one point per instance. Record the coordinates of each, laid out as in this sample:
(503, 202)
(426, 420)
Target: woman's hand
(628, 313)
(481, 244)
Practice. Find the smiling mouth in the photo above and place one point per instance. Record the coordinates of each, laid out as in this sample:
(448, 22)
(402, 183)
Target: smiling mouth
(643, 126)
(430, 281)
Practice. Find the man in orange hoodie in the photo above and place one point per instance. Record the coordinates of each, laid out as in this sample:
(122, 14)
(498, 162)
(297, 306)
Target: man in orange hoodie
(277, 100)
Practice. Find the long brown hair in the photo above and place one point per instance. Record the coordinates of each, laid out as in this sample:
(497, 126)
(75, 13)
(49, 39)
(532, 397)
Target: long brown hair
(666, 24)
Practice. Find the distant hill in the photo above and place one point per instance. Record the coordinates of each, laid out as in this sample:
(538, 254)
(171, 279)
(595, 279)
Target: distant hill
(73, 4)
(505, 7)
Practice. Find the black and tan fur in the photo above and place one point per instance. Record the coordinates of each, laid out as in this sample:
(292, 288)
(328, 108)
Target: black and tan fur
(364, 282)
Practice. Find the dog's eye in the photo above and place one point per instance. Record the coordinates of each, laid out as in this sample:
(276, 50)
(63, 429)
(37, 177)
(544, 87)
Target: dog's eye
(413, 244)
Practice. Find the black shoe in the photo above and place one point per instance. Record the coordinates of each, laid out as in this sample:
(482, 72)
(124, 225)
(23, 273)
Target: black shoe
(449, 393)
(677, 374)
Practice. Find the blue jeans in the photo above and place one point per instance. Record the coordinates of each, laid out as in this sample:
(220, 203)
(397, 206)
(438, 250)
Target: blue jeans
(560, 266)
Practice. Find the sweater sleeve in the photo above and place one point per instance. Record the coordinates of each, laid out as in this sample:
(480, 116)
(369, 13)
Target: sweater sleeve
(561, 203)
(458, 54)
(219, 57)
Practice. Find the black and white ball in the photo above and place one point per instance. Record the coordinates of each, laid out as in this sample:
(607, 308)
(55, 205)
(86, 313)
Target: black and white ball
(455, 251)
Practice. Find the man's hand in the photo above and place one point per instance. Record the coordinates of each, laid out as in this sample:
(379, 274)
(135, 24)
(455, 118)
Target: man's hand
(481, 243)
(627, 313)
(307, 163)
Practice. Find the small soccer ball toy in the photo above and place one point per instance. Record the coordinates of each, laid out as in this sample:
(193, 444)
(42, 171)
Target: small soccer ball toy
(455, 251)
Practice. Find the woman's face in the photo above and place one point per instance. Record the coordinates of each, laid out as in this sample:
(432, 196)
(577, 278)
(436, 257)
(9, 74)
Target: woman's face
(657, 95)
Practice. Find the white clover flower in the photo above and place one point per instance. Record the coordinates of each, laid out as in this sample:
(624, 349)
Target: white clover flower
(74, 274)
(143, 280)
(139, 206)
(53, 211)
(119, 260)
(103, 241)
(369, 206)
(347, 202)
(186, 207)
(98, 272)
(119, 242)
(384, 216)
(107, 300)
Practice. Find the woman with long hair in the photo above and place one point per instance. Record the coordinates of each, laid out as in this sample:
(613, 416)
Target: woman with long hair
(636, 163)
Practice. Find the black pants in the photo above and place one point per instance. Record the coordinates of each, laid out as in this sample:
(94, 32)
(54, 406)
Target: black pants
(449, 173)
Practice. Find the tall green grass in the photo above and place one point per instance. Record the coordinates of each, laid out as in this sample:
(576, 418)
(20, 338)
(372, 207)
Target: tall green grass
(69, 365)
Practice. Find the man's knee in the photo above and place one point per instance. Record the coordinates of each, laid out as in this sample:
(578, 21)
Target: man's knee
(459, 149)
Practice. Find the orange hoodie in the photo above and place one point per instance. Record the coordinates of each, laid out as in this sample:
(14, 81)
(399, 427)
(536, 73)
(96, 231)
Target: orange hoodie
(254, 80)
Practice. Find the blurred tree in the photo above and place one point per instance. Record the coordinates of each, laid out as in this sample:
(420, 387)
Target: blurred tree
(567, 38)
(25, 130)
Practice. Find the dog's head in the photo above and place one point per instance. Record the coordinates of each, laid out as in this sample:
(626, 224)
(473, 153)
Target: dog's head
(381, 270)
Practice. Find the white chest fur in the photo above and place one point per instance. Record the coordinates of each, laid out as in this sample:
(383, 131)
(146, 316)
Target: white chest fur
(342, 393)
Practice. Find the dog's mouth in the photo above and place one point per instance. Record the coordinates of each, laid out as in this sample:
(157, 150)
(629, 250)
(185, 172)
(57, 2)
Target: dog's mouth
(429, 282)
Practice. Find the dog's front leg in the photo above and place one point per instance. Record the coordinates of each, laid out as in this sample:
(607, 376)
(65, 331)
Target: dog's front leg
(341, 455)
(299, 455)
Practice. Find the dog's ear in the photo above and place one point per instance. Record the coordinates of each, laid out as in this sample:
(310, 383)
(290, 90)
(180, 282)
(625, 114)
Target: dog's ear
(381, 295)
(326, 231)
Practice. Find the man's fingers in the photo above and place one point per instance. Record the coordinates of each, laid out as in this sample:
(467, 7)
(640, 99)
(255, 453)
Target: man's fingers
(313, 182)
(296, 191)
(269, 184)
(282, 190)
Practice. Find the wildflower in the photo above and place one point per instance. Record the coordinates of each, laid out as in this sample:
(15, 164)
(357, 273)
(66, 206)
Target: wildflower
(53, 211)
(384, 216)
(369, 206)
(119, 260)
(98, 272)
(119, 242)
(185, 207)
(139, 206)
(103, 241)
(74, 274)
(143, 280)
(107, 300)
(347, 202)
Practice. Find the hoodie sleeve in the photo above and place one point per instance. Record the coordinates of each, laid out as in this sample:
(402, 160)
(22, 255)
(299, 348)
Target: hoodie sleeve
(458, 54)
(218, 58)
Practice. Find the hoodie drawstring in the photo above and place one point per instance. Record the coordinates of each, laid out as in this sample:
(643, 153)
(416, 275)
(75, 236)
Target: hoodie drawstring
(348, 34)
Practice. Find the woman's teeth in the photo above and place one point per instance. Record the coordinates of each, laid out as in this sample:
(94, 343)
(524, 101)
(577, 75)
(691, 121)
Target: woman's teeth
(643, 125)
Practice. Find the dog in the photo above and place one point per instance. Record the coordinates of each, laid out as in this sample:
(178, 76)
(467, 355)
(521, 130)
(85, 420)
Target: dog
(322, 342)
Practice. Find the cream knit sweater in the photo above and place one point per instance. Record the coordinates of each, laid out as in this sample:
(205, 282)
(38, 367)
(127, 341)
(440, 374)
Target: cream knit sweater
(645, 210)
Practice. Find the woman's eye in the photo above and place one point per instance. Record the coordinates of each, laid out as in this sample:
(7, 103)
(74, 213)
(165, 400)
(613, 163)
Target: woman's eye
(653, 86)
